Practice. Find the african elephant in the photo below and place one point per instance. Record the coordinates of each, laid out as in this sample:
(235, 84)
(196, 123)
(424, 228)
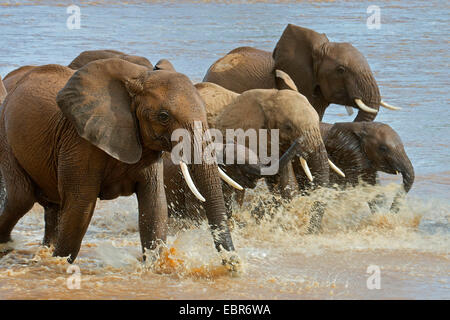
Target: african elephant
(323, 71)
(68, 138)
(361, 149)
(81, 60)
(92, 55)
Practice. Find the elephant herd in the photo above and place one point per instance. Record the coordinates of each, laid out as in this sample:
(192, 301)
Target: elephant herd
(102, 127)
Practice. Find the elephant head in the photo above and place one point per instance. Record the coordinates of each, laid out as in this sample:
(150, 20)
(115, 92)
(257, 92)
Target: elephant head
(328, 72)
(128, 111)
(290, 113)
(92, 55)
(2, 91)
(367, 147)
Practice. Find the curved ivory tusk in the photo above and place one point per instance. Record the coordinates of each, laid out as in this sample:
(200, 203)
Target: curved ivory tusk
(228, 180)
(365, 108)
(388, 106)
(335, 168)
(190, 183)
(306, 168)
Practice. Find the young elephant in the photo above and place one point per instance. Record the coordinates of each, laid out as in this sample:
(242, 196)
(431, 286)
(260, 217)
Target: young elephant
(325, 72)
(361, 149)
(68, 138)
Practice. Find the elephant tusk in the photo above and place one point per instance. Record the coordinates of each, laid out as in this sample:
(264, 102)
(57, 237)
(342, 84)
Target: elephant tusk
(365, 108)
(349, 110)
(306, 168)
(336, 169)
(228, 180)
(388, 106)
(190, 183)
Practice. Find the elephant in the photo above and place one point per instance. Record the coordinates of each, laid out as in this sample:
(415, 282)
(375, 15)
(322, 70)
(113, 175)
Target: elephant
(81, 60)
(325, 72)
(69, 137)
(299, 135)
(361, 149)
(92, 55)
(2, 91)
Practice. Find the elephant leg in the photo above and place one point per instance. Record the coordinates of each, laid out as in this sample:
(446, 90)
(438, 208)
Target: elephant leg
(19, 197)
(78, 185)
(152, 204)
(51, 213)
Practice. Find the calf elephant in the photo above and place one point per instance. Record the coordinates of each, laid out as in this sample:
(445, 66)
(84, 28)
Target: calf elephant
(364, 148)
(323, 71)
(68, 138)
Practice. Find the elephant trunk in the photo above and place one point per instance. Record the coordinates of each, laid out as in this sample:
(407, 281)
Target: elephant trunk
(207, 179)
(365, 88)
(407, 170)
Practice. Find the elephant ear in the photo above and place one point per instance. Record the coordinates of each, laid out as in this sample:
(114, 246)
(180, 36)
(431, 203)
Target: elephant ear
(97, 100)
(296, 53)
(2, 91)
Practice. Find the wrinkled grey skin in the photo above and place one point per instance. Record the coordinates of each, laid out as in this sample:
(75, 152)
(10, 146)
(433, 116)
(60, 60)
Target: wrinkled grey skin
(362, 149)
(325, 72)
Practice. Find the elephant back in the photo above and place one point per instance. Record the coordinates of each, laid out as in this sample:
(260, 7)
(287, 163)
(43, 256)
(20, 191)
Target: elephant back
(243, 69)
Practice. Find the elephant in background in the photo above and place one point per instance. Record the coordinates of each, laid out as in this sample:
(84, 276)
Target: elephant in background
(92, 55)
(81, 60)
(361, 149)
(325, 72)
(68, 138)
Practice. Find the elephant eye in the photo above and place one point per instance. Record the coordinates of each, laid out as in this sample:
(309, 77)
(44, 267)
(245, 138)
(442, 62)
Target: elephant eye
(383, 148)
(163, 117)
(340, 69)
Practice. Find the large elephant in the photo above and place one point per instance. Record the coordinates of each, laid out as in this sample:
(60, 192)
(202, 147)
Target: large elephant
(361, 149)
(323, 71)
(68, 138)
